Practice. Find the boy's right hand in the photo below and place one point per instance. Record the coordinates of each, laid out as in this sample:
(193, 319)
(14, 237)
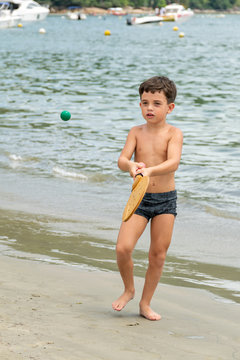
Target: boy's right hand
(134, 167)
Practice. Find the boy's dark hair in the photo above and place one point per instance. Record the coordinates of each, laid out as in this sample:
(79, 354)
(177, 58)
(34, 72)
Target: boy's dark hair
(158, 84)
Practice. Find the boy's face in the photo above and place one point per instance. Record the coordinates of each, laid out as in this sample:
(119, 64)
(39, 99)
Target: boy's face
(155, 107)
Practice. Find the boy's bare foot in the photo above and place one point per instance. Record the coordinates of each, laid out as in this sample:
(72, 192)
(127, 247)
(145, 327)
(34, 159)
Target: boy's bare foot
(148, 313)
(122, 301)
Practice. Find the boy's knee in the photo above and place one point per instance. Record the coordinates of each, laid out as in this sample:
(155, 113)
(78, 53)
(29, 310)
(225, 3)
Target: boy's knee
(157, 258)
(123, 249)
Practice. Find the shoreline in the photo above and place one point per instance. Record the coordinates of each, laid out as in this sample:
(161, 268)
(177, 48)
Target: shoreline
(55, 312)
(73, 240)
(94, 11)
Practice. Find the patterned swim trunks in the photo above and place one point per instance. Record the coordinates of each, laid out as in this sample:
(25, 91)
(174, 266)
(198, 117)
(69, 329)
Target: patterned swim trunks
(154, 204)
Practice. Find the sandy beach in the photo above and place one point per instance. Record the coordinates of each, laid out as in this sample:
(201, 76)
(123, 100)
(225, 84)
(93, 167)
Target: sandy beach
(58, 312)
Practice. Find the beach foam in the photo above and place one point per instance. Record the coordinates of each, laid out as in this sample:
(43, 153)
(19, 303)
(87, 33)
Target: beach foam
(15, 157)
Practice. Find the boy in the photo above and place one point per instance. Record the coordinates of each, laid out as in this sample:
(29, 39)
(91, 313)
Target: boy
(156, 145)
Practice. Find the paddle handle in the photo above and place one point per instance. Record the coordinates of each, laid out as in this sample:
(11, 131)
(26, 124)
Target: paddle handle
(136, 180)
(142, 166)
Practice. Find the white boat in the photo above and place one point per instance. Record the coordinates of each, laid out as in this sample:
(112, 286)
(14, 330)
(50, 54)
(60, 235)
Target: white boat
(76, 16)
(28, 10)
(173, 12)
(7, 19)
(176, 12)
(144, 20)
(75, 13)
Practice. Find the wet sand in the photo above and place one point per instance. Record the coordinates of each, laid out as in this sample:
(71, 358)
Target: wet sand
(58, 312)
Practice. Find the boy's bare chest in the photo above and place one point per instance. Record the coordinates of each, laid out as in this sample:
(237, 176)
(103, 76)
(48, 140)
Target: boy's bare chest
(152, 145)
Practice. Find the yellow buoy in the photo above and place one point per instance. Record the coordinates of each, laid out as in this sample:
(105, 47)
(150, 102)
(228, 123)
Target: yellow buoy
(160, 23)
(181, 35)
(175, 28)
(20, 25)
(107, 32)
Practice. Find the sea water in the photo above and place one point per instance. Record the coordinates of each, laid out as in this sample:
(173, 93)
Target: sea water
(61, 192)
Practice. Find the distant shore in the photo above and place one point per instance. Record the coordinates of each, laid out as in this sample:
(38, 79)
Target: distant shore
(140, 11)
(99, 11)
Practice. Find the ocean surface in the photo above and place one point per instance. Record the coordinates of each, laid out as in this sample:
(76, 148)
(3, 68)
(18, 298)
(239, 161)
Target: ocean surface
(61, 192)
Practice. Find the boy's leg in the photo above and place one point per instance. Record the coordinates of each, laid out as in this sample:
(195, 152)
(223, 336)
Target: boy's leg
(128, 236)
(161, 234)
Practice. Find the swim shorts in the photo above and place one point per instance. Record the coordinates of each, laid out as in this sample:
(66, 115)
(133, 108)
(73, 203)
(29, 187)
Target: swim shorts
(154, 204)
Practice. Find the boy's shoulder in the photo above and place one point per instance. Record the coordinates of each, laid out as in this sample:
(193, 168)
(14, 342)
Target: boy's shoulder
(175, 134)
(174, 130)
(136, 129)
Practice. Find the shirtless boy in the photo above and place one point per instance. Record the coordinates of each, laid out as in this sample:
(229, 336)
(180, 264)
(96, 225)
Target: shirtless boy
(158, 145)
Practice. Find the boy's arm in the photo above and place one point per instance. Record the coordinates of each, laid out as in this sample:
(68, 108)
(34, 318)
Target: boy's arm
(124, 161)
(173, 157)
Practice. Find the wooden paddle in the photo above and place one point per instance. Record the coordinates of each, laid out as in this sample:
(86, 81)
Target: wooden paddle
(139, 188)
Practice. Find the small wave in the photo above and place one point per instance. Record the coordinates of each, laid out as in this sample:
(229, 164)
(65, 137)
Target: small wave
(99, 178)
(18, 158)
(221, 213)
(69, 174)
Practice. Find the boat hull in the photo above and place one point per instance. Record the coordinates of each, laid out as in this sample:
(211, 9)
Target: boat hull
(144, 20)
(28, 17)
(7, 20)
(8, 23)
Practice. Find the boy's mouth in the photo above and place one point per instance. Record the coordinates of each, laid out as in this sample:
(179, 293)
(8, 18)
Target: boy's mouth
(150, 115)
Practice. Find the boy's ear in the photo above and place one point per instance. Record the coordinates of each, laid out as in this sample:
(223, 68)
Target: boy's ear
(171, 106)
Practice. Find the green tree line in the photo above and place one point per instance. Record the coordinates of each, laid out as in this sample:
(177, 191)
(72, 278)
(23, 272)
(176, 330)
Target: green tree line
(105, 4)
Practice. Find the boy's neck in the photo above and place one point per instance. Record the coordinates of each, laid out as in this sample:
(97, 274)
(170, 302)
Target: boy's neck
(155, 127)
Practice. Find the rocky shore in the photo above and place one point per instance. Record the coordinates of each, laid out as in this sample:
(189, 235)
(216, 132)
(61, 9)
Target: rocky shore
(101, 12)
(143, 10)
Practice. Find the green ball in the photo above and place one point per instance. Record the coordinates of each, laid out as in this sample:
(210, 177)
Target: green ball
(65, 115)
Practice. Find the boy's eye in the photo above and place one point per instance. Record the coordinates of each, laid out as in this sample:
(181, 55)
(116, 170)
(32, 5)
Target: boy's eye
(157, 103)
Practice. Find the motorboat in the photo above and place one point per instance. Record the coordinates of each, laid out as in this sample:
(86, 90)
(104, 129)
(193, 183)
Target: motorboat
(7, 19)
(28, 10)
(176, 12)
(144, 20)
(76, 16)
(75, 13)
(173, 12)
